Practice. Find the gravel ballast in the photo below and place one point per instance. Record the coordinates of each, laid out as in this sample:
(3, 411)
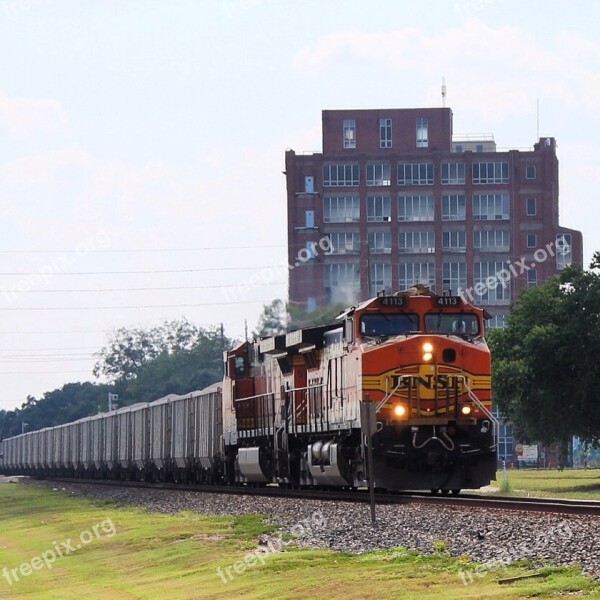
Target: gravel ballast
(485, 535)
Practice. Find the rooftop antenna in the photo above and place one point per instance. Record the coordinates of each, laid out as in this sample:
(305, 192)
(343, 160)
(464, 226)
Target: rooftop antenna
(537, 137)
(444, 92)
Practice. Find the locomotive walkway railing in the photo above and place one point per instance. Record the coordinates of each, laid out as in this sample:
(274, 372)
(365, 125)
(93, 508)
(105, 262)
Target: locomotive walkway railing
(255, 415)
(309, 410)
(495, 423)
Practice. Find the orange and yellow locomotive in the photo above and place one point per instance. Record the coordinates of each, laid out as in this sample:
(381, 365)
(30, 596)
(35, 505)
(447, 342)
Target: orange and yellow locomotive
(292, 403)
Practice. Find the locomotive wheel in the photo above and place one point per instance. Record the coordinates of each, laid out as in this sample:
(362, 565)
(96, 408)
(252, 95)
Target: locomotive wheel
(445, 492)
(455, 492)
(434, 491)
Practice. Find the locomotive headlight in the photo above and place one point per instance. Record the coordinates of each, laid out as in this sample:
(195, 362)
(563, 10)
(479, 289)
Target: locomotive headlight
(399, 410)
(427, 351)
(466, 410)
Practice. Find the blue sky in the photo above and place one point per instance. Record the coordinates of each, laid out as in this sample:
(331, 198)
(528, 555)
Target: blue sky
(142, 125)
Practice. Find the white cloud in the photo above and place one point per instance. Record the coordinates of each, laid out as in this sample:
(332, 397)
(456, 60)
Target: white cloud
(480, 61)
(24, 118)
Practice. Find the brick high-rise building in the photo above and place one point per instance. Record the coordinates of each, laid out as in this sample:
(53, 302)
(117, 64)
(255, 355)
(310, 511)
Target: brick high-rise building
(405, 202)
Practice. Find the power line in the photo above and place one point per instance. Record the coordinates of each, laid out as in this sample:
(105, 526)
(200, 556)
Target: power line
(42, 372)
(10, 308)
(44, 360)
(37, 356)
(54, 332)
(141, 250)
(47, 349)
(109, 329)
(134, 289)
(148, 272)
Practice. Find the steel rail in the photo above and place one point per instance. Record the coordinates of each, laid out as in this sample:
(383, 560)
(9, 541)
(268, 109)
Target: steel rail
(544, 505)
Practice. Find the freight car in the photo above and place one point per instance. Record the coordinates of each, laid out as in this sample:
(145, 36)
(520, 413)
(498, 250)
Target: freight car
(409, 371)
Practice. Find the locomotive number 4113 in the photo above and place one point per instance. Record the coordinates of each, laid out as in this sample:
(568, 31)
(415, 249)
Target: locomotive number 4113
(448, 301)
(393, 301)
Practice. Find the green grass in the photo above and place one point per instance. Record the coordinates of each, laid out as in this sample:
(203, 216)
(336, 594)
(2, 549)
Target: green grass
(570, 483)
(157, 556)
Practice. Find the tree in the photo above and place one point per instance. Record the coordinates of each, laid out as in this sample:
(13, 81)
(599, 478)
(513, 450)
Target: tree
(278, 318)
(273, 320)
(300, 318)
(181, 370)
(546, 362)
(143, 365)
(174, 358)
(129, 349)
(71, 402)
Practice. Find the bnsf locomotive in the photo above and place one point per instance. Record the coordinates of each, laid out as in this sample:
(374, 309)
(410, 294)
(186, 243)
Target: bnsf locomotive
(409, 371)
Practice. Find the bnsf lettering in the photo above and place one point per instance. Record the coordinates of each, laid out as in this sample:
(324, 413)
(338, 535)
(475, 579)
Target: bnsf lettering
(428, 381)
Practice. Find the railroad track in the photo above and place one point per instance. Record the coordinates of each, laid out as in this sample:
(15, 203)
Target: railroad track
(545, 505)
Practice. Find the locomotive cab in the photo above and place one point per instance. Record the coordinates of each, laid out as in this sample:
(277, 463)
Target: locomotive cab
(426, 365)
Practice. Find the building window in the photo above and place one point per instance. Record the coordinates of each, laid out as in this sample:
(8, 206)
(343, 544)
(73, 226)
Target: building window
(490, 287)
(454, 276)
(416, 207)
(419, 241)
(422, 134)
(378, 174)
(378, 209)
(458, 148)
(311, 251)
(410, 274)
(564, 251)
(479, 148)
(385, 133)
(415, 173)
(344, 242)
(341, 209)
(311, 304)
(493, 240)
(380, 242)
(530, 171)
(531, 240)
(342, 283)
(531, 207)
(380, 278)
(453, 207)
(309, 219)
(453, 173)
(454, 241)
(490, 207)
(340, 175)
(531, 278)
(496, 322)
(349, 133)
(490, 172)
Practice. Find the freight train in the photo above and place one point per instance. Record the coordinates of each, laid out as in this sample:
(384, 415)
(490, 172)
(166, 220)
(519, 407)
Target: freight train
(408, 373)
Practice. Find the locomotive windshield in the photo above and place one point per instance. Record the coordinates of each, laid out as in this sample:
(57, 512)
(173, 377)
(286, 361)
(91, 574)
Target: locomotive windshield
(388, 324)
(458, 323)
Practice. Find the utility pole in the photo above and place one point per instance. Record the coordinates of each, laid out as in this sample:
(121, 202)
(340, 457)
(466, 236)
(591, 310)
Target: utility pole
(23, 427)
(222, 349)
(367, 409)
(112, 401)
